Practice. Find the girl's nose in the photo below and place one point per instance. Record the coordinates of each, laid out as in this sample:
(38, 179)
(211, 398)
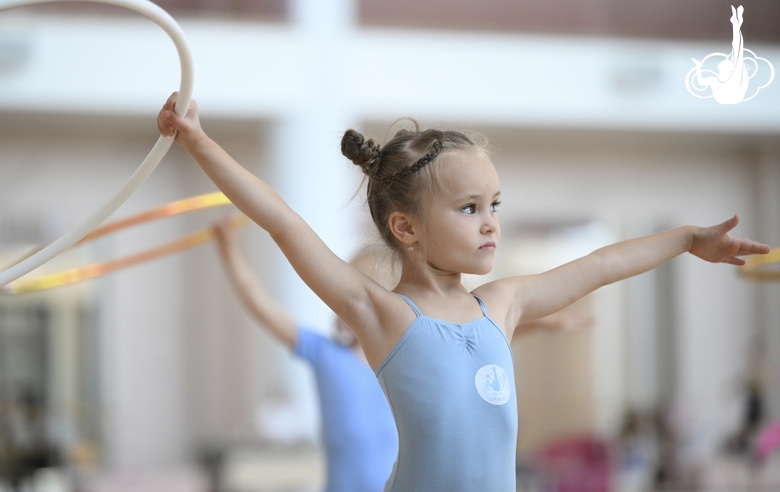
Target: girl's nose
(489, 223)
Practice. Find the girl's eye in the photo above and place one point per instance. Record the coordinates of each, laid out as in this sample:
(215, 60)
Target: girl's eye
(469, 209)
(494, 206)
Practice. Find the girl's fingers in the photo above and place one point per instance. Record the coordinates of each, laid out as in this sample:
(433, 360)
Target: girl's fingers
(185, 129)
(752, 248)
(171, 122)
(164, 122)
(753, 251)
(728, 225)
(171, 102)
(162, 125)
(170, 118)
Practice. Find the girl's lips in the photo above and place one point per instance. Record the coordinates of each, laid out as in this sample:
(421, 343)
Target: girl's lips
(489, 246)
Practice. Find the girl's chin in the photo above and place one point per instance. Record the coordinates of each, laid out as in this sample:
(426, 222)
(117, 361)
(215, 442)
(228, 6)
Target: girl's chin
(480, 270)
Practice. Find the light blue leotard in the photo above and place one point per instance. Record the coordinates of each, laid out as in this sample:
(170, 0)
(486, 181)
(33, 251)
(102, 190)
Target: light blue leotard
(451, 388)
(358, 430)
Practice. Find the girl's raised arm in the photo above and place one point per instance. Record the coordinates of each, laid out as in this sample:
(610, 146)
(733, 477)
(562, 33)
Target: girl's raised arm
(534, 296)
(349, 293)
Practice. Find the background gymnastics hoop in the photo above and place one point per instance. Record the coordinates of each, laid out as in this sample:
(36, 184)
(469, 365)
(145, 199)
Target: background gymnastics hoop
(93, 270)
(169, 25)
(752, 267)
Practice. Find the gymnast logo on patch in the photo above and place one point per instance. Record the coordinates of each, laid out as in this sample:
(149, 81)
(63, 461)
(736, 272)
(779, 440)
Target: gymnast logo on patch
(493, 384)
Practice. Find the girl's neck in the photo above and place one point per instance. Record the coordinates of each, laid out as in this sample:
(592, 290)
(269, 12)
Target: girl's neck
(438, 294)
(420, 278)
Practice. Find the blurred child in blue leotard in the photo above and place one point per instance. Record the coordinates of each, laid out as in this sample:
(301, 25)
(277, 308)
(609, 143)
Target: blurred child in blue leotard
(359, 435)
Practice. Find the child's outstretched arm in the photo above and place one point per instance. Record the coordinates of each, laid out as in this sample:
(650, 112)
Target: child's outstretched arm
(560, 321)
(252, 295)
(534, 296)
(362, 303)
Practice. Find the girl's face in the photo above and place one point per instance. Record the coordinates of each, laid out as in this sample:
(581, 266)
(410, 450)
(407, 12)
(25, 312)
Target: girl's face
(461, 230)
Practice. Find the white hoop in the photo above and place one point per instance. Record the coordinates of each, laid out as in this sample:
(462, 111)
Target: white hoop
(169, 25)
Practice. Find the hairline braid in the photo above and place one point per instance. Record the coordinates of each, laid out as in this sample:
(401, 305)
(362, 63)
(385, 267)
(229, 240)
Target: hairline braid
(436, 148)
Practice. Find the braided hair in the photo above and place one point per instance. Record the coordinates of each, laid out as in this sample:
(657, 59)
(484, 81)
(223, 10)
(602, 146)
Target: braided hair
(401, 175)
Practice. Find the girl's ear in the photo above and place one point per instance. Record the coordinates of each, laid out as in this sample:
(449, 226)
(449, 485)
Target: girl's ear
(404, 228)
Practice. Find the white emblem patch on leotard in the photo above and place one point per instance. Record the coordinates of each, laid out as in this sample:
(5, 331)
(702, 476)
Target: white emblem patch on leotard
(493, 384)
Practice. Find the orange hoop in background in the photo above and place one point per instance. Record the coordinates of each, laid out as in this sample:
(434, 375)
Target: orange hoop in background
(753, 266)
(93, 270)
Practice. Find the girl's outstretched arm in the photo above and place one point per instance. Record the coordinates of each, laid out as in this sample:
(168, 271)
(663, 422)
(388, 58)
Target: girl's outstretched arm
(564, 320)
(362, 303)
(534, 296)
(252, 295)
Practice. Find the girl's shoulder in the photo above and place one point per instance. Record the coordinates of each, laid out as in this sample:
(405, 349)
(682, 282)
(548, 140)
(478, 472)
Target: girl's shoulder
(492, 293)
(390, 318)
(500, 298)
(496, 291)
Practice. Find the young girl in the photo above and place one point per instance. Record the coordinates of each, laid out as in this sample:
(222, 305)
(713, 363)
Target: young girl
(441, 353)
(359, 434)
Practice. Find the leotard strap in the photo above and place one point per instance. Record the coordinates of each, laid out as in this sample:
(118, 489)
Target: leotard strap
(482, 306)
(411, 305)
(419, 313)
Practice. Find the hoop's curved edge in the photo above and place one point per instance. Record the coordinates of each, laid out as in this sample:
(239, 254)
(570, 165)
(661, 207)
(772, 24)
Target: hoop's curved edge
(752, 264)
(69, 239)
(185, 205)
(94, 270)
(174, 31)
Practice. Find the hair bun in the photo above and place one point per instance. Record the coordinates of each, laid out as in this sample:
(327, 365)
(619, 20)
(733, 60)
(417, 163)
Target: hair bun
(361, 152)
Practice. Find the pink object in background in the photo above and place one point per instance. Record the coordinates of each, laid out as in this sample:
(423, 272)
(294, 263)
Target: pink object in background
(578, 464)
(768, 441)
